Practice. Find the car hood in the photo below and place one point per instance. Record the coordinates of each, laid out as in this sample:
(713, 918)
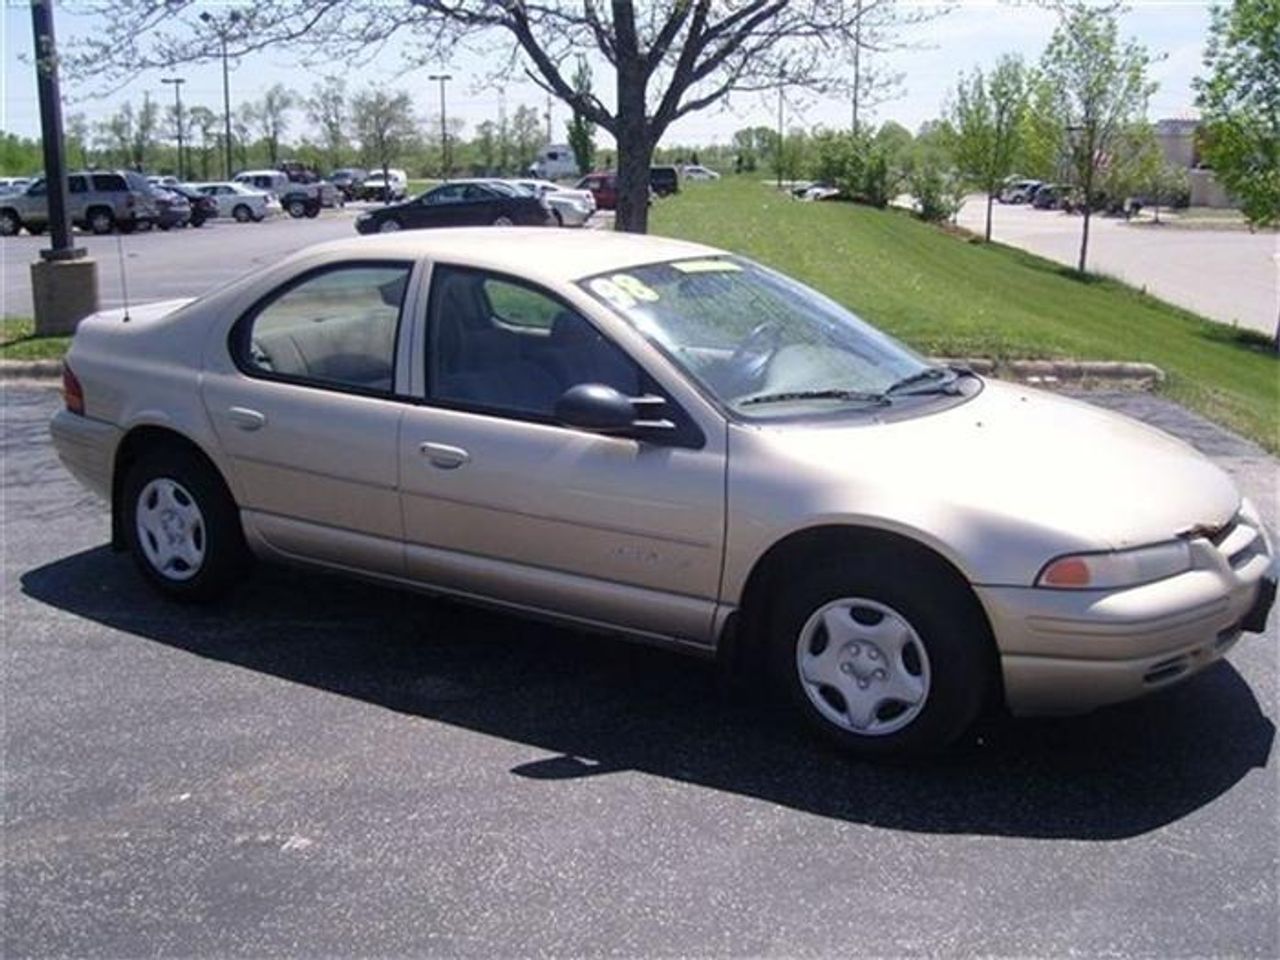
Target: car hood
(1021, 457)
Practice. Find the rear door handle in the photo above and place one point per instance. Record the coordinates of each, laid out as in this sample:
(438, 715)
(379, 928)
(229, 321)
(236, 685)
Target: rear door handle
(444, 456)
(246, 419)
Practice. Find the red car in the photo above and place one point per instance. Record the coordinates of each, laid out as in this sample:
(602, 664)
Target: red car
(603, 186)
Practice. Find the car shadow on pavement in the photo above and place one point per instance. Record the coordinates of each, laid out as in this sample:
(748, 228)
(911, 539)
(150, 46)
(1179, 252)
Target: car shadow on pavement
(602, 705)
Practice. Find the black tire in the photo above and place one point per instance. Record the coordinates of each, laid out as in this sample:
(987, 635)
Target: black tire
(949, 629)
(100, 221)
(224, 553)
(131, 226)
(297, 209)
(197, 222)
(242, 213)
(37, 229)
(559, 219)
(313, 211)
(10, 223)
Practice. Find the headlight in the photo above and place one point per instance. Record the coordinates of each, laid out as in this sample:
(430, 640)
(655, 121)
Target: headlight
(1121, 568)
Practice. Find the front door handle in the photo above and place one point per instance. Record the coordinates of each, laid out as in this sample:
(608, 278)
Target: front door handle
(444, 456)
(246, 419)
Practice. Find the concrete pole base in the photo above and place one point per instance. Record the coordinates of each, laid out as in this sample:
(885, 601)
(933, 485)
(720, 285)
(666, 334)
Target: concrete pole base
(64, 292)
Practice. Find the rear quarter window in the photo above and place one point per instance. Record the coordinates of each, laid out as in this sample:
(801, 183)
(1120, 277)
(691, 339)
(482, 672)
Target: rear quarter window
(109, 183)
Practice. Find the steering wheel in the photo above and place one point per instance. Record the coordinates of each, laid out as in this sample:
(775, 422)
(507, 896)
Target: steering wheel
(751, 358)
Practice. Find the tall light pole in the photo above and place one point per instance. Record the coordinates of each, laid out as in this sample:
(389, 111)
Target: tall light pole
(177, 83)
(443, 78)
(222, 27)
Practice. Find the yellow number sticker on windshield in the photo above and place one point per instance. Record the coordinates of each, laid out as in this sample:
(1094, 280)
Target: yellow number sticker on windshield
(635, 288)
(608, 290)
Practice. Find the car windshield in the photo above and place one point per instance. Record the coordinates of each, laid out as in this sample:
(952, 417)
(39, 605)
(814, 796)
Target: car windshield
(760, 343)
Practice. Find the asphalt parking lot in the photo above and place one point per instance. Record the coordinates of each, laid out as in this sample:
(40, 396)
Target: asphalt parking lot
(323, 768)
(159, 265)
(1232, 276)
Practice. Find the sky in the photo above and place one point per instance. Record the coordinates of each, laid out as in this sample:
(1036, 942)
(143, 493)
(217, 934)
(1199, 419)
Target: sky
(973, 34)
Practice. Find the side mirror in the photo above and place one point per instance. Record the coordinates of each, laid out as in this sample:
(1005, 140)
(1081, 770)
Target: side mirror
(596, 407)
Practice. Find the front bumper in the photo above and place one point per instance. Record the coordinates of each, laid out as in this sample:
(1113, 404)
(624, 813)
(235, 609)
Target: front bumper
(87, 448)
(1066, 651)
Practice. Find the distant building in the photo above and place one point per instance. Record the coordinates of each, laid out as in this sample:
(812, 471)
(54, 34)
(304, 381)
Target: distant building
(1179, 145)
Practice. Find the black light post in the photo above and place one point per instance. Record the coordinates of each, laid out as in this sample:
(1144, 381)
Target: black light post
(445, 166)
(222, 27)
(64, 282)
(177, 83)
(55, 161)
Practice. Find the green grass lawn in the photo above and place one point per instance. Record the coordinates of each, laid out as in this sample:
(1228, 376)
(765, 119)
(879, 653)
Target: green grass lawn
(948, 296)
(19, 342)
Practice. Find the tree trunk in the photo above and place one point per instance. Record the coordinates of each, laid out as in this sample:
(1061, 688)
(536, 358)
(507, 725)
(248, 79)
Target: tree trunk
(635, 149)
(990, 200)
(1088, 212)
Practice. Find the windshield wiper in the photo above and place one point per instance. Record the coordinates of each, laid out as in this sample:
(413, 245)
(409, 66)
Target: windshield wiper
(924, 376)
(850, 395)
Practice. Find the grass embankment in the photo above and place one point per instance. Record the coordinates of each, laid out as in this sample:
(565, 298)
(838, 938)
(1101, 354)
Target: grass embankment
(947, 296)
(19, 342)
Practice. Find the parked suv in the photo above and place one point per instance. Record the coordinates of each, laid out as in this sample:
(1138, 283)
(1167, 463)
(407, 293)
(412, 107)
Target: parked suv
(100, 200)
(664, 181)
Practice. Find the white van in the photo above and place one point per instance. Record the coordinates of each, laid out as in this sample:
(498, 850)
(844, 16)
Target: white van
(555, 161)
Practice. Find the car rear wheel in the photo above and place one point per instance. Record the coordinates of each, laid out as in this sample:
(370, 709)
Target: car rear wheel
(881, 657)
(389, 225)
(10, 223)
(297, 209)
(313, 211)
(504, 221)
(101, 221)
(242, 213)
(182, 526)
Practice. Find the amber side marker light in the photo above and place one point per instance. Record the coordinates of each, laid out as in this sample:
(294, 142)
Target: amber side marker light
(1067, 572)
(72, 392)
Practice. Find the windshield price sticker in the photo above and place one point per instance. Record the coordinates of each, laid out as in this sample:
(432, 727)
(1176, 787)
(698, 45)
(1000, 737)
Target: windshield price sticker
(610, 291)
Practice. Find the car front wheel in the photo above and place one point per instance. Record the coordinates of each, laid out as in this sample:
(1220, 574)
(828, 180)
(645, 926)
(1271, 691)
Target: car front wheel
(10, 224)
(182, 526)
(881, 657)
(503, 221)
(389, 225)
(242, 213)
(297, 209)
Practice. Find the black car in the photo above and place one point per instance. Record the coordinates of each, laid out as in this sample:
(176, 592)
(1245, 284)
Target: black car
(298, 202)
(348, 180)
(460, 203)
(203, 207)
(664, 180)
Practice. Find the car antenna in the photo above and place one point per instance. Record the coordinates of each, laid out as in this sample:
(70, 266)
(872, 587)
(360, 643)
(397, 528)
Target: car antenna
(124, 280)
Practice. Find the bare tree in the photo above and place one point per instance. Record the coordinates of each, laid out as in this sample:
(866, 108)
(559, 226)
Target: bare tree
(327, 109)
(271, 117)
(670, 58)
(384, 124)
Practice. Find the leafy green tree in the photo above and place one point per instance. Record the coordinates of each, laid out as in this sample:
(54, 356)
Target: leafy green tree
(208, 125)
(1099, 87)
(986, 115)
(487, 146)
(1240, 103)
(1040, 135)
(582, 140)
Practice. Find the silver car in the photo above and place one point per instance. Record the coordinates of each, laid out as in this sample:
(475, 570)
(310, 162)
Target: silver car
(662, 440)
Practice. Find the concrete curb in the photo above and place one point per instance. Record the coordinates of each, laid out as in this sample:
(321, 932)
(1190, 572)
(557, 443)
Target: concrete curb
(30, 369)
(1042, 373)
(1066, 373)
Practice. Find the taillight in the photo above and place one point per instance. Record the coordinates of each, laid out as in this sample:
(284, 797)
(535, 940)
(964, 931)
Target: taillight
(72, 392)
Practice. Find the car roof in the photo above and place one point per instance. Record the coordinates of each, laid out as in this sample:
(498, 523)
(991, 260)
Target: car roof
(535, 252)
